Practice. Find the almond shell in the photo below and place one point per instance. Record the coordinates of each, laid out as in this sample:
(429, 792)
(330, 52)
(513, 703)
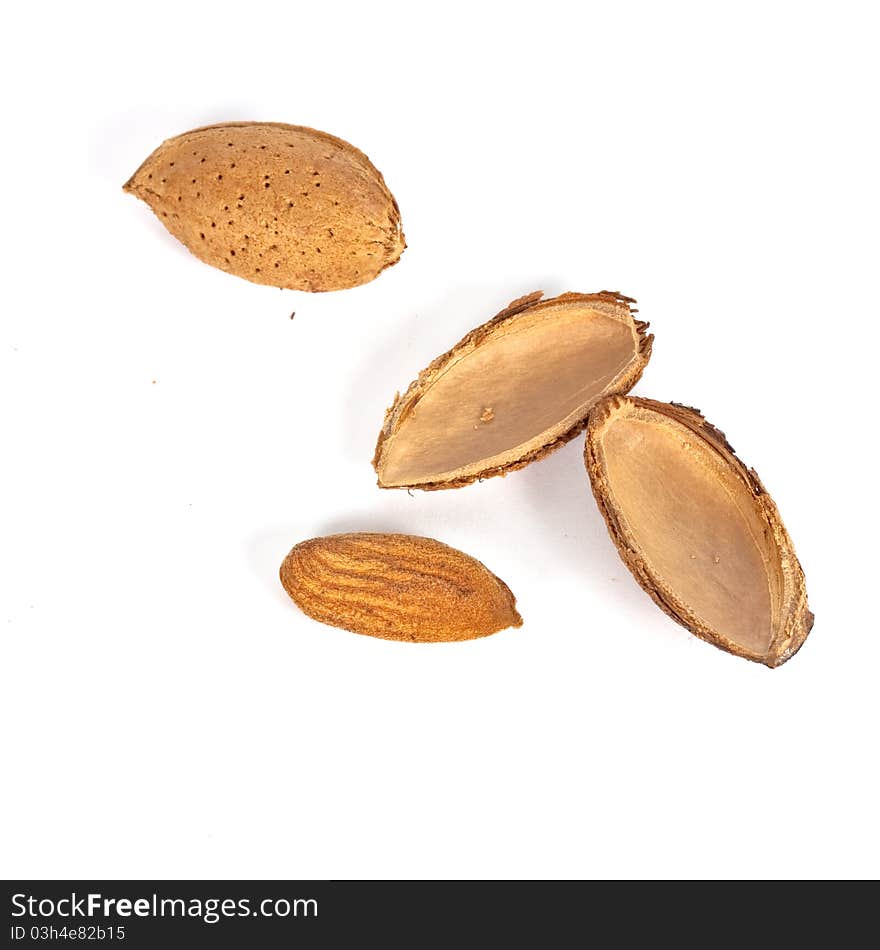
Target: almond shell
(696, 528)
(566, 345)
(276, 204)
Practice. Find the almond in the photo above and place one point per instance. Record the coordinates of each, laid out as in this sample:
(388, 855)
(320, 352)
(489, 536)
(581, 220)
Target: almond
(398, 587)
(696, 528)
(276, 204)
(512, 390)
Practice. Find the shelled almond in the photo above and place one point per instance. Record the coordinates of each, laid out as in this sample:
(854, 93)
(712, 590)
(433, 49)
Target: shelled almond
(397, 587)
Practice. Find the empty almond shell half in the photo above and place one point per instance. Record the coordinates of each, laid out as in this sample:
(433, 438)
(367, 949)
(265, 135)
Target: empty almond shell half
(397, 587)
(512, 390)
(697, 528)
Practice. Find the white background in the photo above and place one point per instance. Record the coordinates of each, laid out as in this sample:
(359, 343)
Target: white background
(168, 433)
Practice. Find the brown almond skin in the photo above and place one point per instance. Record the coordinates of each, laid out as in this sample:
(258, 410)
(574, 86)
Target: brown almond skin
(405, 405)
(397, 587)
(276, 204)
(796, 618)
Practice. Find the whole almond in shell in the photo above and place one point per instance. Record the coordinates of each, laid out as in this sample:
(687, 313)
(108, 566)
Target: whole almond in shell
(696, 528)
(276, 204)
(512, 390)
(398, 587)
